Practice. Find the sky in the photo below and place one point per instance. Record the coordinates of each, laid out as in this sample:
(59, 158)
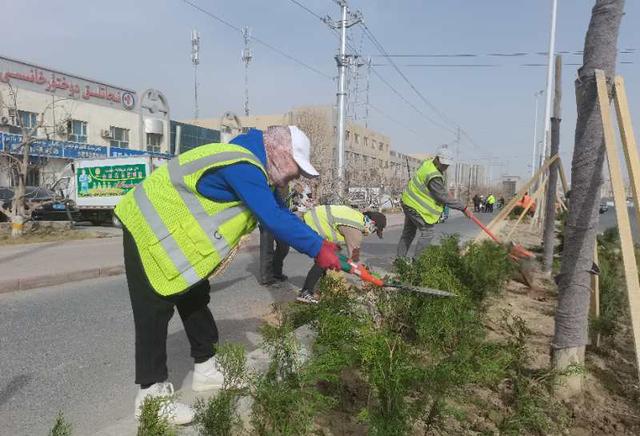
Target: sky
(146, 44)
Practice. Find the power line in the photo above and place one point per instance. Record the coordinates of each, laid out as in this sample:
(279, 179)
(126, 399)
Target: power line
(258, 40)
(382, 51)
(318, 16)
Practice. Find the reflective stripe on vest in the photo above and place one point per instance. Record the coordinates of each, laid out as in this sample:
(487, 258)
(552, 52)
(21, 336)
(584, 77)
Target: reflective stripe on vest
(138, 205)
(331, 215)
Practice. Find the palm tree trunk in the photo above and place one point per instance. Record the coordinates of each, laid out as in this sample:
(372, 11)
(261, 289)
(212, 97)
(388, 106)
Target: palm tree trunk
(571, 321)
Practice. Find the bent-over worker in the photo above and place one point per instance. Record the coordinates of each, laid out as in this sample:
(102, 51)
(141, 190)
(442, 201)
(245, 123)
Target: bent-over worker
(181, 222)
(339, 224)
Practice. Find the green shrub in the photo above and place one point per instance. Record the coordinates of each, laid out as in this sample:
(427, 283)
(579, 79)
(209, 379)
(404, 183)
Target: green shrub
(613, 298)
(218, 415)
(486, 268)
(283, 403)
(61, 427)
(151, 421)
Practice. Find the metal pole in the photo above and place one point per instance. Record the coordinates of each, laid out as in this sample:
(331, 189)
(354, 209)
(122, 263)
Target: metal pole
(342, 93)
(246, 58)
(534, 165)
(549, 91)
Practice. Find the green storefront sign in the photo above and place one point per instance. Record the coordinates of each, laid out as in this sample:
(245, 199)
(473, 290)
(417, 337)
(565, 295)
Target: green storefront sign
(109, 180)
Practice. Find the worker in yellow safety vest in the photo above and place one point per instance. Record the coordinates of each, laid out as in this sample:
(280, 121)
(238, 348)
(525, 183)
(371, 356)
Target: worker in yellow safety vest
(180, 224)
(491, 200)
(423, 202)
(341, 225)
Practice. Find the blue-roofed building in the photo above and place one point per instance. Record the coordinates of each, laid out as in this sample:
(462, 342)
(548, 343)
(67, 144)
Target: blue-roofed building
(185, 137)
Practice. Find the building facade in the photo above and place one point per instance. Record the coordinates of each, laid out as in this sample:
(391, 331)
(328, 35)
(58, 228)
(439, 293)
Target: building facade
(70, 116)
(367, 152)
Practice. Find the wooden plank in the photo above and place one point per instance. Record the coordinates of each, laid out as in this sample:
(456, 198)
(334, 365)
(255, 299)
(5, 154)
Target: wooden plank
(563, 178)
(628, 139)
(595, 297)
(526, 209)
(505, 211)
(622, 214)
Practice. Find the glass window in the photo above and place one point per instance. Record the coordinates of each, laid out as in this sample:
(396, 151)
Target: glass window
(366, 141)
(77, 130)
(119, 137)
(381, 146)
(347, 135)
(154, 140)
(28, 120)
(356, 138)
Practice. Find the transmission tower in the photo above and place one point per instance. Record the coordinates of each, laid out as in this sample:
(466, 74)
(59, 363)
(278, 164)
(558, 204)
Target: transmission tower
(195, 60)
(246, 58)
(347, 19)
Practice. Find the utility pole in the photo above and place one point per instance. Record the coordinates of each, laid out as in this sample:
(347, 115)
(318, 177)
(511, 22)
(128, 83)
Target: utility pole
(549, 91)
(366, 104)
(534, 166)
(195, 60)
(347, 19)
(458, 169)
(246, 58)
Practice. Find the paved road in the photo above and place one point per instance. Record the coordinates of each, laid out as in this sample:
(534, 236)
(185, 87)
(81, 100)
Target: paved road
(70, 347)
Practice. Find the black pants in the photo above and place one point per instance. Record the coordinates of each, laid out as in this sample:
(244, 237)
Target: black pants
(314, 274)
(151, 315)
(271, 261)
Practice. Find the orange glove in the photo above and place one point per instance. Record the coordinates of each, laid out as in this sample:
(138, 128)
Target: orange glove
(327, 257)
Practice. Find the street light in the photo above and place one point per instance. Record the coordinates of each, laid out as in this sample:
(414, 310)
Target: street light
(535, 133)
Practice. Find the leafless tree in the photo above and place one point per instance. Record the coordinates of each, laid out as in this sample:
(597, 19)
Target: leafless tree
(16, 160)
(571, 320)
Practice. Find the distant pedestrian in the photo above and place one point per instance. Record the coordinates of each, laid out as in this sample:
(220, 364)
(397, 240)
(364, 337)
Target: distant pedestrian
(491, 200)
(476, 203)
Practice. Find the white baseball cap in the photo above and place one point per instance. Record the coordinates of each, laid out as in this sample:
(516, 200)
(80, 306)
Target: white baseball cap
(445, 156)
(302, 151)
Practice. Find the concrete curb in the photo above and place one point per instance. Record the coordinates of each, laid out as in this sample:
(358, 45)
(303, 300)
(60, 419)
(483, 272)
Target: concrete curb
(23, 284)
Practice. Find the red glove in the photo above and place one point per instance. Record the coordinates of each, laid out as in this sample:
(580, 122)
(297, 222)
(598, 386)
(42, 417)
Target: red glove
(327, 257)
(467, 212)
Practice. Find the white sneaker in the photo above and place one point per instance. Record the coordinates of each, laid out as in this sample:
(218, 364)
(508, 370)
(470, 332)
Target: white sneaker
(175, 412)
(207, 376)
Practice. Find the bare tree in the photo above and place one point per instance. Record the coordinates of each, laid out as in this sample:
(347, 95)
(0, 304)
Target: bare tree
(17, 160)
(571, 320)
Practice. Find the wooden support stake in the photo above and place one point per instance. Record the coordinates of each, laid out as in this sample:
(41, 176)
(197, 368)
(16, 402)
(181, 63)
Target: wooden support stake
(628, 140)
(538, 198)
(622, 214)
(505, 211)
(563, 178)
(526, 209)
(595, 297)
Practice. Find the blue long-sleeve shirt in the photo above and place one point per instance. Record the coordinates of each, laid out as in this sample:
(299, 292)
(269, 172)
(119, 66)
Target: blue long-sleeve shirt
(245, 182)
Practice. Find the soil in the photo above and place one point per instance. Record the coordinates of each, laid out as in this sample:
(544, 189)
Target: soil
(48, 235)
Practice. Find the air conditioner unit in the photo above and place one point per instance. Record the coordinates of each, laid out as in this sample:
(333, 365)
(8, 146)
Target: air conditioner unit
(106, 133)
(4, 121)
(62, 129)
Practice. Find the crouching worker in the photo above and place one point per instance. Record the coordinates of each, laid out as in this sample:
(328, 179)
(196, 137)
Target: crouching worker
(179, 225)
(339, 224)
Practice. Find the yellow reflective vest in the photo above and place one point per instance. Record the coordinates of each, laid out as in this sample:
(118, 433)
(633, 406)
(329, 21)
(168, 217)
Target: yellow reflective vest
(181, 235)
(417, 196)
(325, 220)
(491, 199)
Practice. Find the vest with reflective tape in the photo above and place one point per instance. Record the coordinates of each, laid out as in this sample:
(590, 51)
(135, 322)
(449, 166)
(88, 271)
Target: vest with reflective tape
(326, 219)
(417, 195)
(181, 235)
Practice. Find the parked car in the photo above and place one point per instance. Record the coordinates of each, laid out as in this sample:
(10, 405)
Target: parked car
(49, 209)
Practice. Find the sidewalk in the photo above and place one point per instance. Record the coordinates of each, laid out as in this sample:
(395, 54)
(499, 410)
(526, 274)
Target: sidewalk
(31, 266)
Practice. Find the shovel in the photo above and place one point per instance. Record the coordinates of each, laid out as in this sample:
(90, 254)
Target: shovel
(366, 276)
(517, 253)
